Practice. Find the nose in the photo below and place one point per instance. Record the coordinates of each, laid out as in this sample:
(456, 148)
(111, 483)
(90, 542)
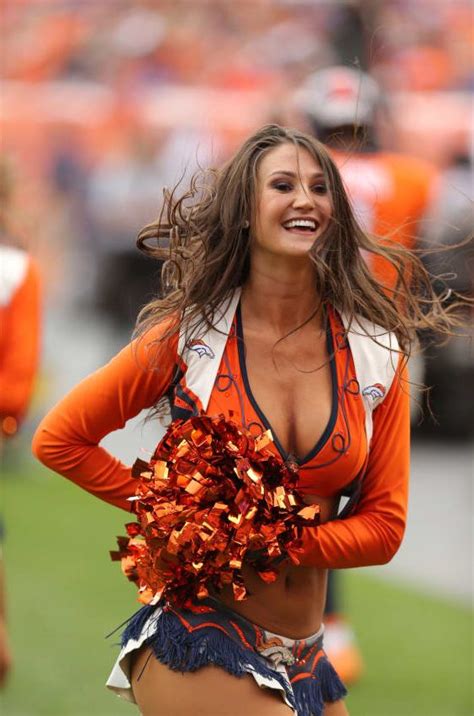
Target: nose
(302, 198)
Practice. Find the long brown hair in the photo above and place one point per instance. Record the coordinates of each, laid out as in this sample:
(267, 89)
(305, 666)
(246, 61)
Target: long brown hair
(204, 239)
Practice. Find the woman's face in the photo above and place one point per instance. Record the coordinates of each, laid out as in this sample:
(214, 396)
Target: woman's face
(293, 204)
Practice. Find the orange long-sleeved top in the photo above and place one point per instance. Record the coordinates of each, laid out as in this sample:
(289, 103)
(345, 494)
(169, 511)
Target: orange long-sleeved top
(68, 439)
(19, 334)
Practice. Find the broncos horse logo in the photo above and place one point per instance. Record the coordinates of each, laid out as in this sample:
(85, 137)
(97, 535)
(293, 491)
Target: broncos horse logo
(376, 391)
(201, 348)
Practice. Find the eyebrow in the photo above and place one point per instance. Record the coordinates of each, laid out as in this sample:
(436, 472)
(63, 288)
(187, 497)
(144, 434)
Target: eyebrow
(283, 172)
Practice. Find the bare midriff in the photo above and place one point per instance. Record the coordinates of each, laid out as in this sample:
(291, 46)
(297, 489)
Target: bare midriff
(293, 604)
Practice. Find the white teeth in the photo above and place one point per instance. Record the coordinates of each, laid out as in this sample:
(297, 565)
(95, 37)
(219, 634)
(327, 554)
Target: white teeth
(300, 224)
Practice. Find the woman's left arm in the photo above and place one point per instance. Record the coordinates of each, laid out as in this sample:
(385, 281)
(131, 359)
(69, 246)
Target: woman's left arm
(374, 532)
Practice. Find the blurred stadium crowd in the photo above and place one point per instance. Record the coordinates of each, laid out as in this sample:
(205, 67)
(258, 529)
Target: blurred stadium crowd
(104, 103)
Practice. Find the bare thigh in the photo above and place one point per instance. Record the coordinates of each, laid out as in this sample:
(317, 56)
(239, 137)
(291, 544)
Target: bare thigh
(210, 691)
(338, 708)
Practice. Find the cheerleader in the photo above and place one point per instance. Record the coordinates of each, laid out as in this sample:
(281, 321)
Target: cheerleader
(270, 318)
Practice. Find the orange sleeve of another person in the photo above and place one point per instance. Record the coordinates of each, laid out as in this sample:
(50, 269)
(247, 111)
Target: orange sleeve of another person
(373, 534)
(67, 440)
(19, 348)
(399, 216)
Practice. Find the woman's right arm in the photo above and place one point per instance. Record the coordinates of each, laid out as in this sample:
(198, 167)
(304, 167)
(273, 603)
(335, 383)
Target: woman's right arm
(67, 440)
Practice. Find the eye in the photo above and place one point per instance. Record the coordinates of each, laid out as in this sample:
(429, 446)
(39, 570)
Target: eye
(282, 186)
(320, 188)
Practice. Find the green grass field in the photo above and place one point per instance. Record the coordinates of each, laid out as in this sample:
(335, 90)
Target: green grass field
(65, 596)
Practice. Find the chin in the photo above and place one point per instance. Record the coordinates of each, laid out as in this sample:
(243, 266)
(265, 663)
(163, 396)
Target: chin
(299, 249)
(293, 253)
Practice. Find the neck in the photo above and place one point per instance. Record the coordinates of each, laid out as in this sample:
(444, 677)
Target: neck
(281, 297)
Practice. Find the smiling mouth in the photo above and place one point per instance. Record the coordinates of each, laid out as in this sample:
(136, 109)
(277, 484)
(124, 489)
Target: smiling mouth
(305, 226)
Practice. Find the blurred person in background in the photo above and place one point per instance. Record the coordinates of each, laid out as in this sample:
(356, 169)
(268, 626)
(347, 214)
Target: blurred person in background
(390, 194)
(122, 189)
(450, 256)
(278, 295)
(19, 354)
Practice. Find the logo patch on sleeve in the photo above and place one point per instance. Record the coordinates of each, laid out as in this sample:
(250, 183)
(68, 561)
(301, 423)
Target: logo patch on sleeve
(201, 348)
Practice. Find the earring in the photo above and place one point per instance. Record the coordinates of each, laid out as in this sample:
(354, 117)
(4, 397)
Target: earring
(246, 224)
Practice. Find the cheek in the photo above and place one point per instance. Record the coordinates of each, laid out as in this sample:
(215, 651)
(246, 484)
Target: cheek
(328, 209)
(261, 208)
(268, 211)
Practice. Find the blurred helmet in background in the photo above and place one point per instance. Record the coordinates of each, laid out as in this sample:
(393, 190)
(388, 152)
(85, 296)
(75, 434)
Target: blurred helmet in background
(339, 97)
